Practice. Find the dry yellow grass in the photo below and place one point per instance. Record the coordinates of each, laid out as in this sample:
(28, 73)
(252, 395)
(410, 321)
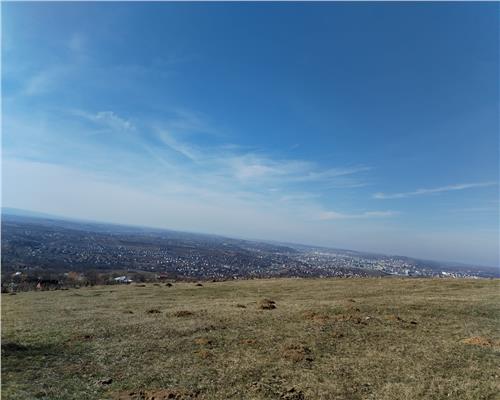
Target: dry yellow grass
(326, 339)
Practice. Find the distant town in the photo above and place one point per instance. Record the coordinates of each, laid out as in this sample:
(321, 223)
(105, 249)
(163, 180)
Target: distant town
(56, 253)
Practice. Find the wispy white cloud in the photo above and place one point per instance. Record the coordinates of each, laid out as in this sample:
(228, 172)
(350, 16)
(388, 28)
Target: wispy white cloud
(249, 167)
(475, 210)
(418, 192)
(108, 119)
(333, 215)
(179, 146)
(47, 79)
(332, 173)
(189, 121)
(44, 81)
(112, 120)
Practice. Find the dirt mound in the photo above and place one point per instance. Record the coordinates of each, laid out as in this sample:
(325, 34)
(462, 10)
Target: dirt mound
(153, 311)
(204, 353)
(316, 317)
(82, 338)
(104, 381)
(183, 313)
(296, 353)
(241, 306)
(161, 394)
(203, 341)
(140, 285)
(199, 284)
(481, 341)
(266, 304)
(168, 284)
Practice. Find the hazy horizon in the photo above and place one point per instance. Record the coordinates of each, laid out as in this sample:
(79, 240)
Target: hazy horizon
(370, 128)
(17, 212)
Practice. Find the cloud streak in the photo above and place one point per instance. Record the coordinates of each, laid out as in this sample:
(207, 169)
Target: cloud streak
(333, 215)
(247, 167)
(420, 192)
(108, 119)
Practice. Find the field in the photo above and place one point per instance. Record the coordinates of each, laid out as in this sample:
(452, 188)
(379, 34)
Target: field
(262, 339)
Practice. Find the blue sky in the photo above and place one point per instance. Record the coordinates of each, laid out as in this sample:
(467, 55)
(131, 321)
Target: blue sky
(370, 126)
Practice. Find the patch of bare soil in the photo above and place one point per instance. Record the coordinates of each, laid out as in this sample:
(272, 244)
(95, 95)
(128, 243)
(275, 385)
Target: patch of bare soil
(104, 381)
(296, 353)
(140, 285)
(160, 394)
(199, 284)
(316, 317)
(168, 284)
(337, 334)
(203, 341)
(266, 304)
(153, 311)
(481, 341)
(183, 313)
(203, 353)
(241, 306)
(82, 338)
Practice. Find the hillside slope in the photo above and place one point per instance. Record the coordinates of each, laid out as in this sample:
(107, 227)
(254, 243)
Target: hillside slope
(261, 339)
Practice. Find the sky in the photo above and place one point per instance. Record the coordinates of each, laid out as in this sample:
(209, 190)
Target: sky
(364, 126)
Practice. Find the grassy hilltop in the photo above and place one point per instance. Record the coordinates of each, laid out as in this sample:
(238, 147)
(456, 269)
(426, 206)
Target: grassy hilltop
(311, 339)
